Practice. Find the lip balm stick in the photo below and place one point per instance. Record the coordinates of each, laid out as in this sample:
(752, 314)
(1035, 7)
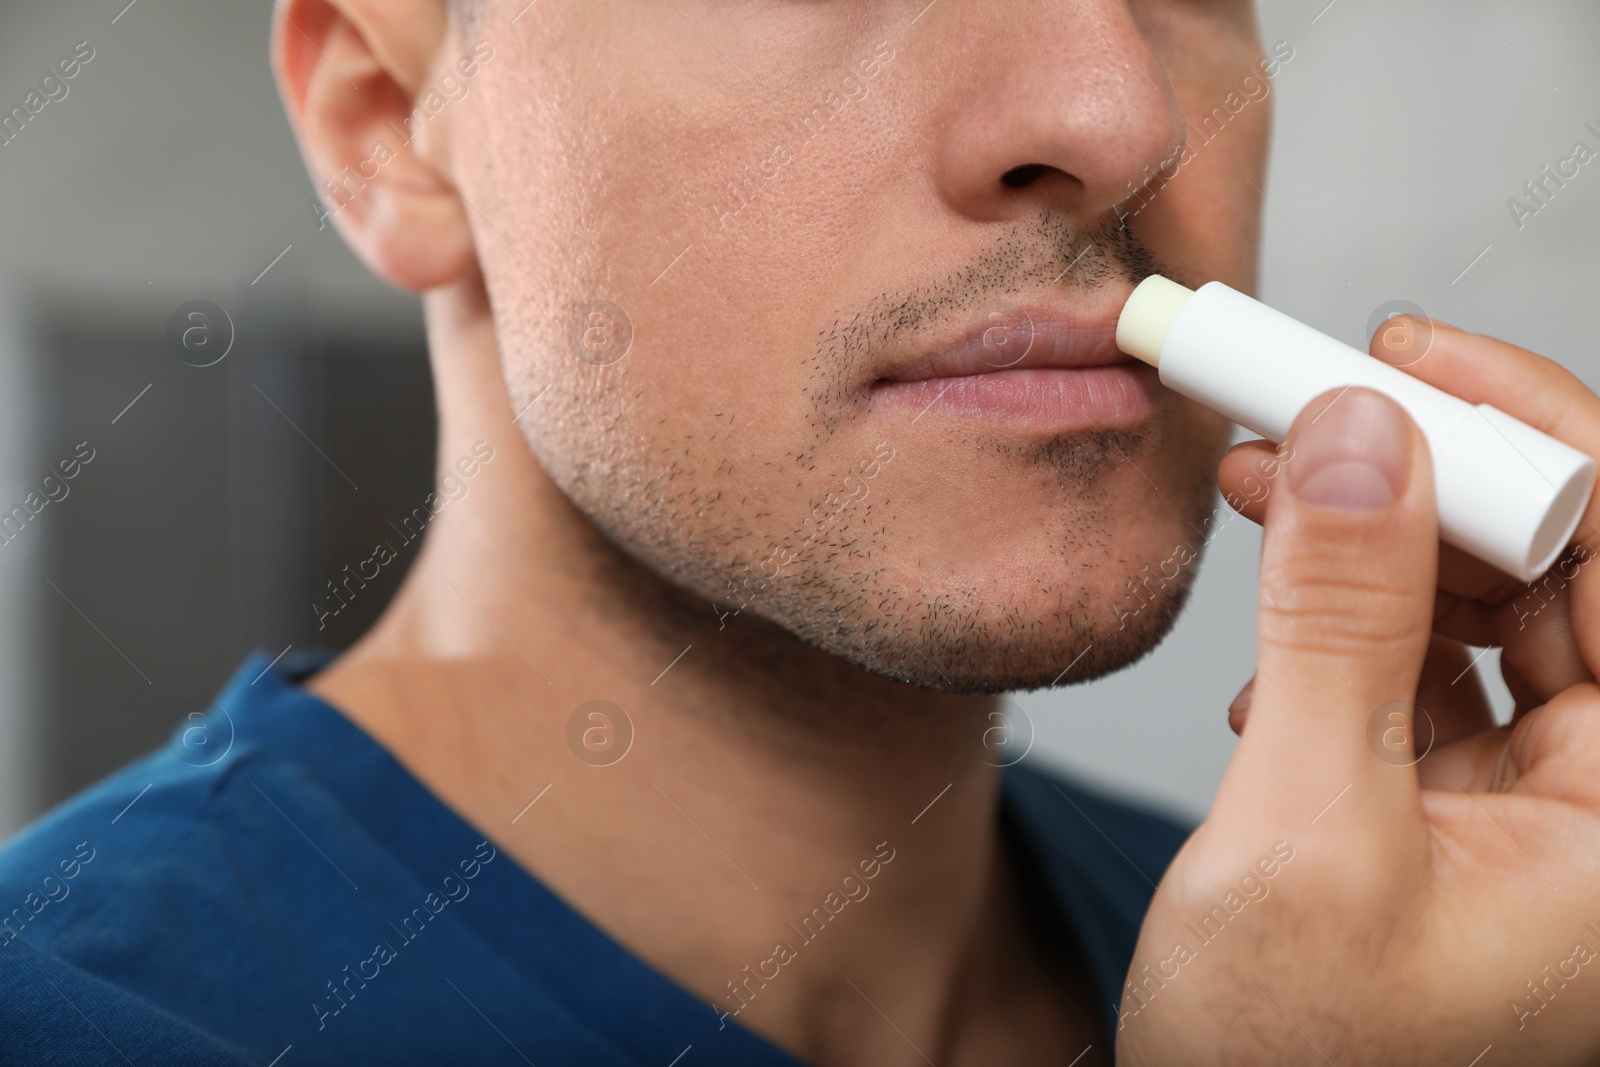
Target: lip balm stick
(1507, 493)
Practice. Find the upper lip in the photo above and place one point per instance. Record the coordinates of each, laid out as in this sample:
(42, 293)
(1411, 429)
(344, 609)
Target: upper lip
(1024, 337)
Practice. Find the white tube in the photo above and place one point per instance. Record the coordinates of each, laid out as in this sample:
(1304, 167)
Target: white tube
(1507, 493)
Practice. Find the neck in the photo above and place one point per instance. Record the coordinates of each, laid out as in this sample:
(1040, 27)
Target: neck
(771, 797)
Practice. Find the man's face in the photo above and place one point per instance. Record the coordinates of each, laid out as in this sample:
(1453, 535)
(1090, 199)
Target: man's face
(747, 260)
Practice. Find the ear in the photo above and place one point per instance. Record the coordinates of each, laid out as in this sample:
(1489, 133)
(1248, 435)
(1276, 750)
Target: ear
(350, 73)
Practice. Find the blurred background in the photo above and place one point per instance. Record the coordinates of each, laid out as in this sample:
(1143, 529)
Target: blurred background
(218, 500)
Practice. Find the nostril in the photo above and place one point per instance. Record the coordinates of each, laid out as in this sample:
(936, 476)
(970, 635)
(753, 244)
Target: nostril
(1023, 176)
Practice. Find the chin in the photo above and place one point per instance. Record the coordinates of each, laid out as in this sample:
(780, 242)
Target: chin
(951, 645)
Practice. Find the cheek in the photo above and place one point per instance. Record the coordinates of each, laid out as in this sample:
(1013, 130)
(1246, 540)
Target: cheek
(707, 229)
(1208, 219)
(1212, 206)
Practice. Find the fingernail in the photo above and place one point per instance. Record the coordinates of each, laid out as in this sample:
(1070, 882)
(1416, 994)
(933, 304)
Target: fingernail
(1242, 701)
(1354, 453)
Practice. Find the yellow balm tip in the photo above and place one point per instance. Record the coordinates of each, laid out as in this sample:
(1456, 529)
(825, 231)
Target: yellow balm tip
(1148, 316)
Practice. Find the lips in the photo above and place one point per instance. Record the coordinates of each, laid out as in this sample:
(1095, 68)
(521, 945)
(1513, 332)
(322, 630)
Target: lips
(1015, 339)
(1035, 368)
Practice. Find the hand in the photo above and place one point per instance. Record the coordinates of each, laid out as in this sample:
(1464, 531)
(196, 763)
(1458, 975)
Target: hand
(1475, 604)
(1342, 905)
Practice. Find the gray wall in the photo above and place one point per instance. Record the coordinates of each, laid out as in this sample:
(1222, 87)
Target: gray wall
(166, 174)
(1402, 130)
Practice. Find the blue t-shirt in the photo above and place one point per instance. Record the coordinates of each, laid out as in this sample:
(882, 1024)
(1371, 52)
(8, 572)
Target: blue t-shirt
(273, 888)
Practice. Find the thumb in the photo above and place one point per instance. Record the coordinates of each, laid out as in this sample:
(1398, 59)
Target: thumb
(1348, 570)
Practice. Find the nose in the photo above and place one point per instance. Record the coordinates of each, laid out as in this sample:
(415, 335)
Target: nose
(1057, 105)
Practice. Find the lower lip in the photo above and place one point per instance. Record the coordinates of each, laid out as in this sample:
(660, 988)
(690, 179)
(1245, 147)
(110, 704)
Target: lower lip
(1118, 396)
